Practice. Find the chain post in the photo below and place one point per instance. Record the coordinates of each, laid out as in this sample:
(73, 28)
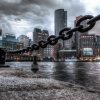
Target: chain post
(3, 58)
(34, 66)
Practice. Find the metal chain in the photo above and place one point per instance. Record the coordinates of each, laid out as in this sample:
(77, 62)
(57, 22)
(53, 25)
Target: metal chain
(64, 34)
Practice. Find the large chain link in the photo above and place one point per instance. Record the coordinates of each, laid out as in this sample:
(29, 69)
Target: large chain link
(64, 34)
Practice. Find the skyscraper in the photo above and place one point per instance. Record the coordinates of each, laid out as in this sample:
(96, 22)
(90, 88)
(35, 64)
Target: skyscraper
(78, 34)
(60, 20)
(24, 39)
(97, 46)
(39, 35)
(87, 47)
(9, 42)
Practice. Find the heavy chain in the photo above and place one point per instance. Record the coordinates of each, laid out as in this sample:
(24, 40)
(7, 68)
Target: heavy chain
(64, 34)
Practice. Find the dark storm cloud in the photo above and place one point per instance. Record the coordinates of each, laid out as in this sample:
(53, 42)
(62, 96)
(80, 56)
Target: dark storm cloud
(39, 12)
(11, 7)
(40, 2)
(15, 7)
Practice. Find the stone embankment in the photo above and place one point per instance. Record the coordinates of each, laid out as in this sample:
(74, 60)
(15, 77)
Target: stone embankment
(18, 84)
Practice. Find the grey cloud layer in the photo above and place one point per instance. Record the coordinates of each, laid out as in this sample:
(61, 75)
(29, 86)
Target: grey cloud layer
(73, 6)
(40, 12)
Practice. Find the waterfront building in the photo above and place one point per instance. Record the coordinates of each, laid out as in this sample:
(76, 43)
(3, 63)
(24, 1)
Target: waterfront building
(24, 39)
(78, 34)
(57, 47)
(39, 35)
(48, 53)
(68, 44)
(87, 47)
(30, 42)
(66, 54)
(98, 46)
(60, 22)
(20, 46)
(9, 42)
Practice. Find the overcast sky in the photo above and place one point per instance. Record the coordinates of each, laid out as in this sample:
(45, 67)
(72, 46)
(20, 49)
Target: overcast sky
(21, 16)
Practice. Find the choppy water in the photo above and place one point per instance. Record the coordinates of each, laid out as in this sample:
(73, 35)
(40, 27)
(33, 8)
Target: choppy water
(82, 73)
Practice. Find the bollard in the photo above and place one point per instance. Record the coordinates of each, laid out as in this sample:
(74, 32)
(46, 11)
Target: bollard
(2, 58)
(35, 60)
(34, 66)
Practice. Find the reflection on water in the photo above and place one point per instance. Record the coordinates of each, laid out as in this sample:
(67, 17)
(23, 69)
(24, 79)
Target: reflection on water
(63, 71)
(83, 73)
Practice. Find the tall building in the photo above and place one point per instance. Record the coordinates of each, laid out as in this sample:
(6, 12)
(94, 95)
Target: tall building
(24, 39)
(30, 42)
(57, 47)
(9, 42)
(49, 52)
(68, 44)
(87, 47)
(45, 34)
(39, 35)
(78, 34)
(6, 27)
(61, 23)
(98, 45)
(60, 20)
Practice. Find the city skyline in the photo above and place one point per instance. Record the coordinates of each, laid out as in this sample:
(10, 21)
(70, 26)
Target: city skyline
(87, 48)
(25, 15)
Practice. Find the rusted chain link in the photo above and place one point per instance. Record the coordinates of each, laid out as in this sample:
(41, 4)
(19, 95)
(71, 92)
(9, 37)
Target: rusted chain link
(64, 34)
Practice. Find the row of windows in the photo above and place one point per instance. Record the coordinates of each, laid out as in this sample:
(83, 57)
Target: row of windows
(87, 36)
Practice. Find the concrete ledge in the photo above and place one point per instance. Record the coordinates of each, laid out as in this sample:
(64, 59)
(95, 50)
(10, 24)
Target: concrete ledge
(13, 86)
